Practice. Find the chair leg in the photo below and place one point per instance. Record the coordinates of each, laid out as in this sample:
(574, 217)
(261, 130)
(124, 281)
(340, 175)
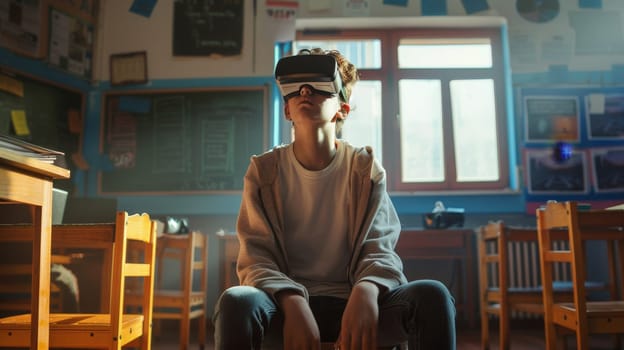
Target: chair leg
(156, 330)
(184, 333)
(503, 332)
(485, 332)
(201, 333)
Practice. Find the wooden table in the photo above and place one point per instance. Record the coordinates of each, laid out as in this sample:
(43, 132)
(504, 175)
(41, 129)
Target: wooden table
(25, 180)
(228, 254)
(455, 245)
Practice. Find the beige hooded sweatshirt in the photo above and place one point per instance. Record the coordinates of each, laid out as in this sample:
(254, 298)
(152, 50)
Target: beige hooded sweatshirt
(262, 261)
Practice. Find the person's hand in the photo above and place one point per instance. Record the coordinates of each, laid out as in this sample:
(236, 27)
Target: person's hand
(359, 320)
(300, 329)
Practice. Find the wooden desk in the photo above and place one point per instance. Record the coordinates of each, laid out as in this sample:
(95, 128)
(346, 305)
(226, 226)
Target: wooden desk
(29, 181)
(451, 245)
(228, 254)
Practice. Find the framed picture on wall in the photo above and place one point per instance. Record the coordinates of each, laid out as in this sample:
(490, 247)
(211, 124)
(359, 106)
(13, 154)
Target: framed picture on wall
(128, 68)
(551, 118)
(608, 169)
(605, 116)
(546, 175)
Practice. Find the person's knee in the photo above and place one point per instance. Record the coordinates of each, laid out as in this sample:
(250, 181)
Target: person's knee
(437, 294)
(237, 300)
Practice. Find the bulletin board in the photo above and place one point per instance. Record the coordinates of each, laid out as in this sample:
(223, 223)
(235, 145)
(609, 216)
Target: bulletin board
(58, 31)
(181, 141)
(21, 25)
(590, 120)
(40, 112)
(71, 43)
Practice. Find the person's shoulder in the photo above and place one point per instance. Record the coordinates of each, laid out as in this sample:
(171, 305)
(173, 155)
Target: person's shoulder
(272, 153)
(267, 162)
(362, 155)
(365, 161)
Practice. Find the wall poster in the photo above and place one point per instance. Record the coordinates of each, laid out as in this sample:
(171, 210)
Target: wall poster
(550, 119)
(206, 27)
(608, 169)
(545, 175)
(71, 44)
(605, 119)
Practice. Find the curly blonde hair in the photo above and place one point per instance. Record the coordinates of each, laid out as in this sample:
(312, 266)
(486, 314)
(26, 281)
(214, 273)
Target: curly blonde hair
(348, 72)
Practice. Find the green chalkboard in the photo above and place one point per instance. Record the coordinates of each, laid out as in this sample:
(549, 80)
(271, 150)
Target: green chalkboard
(181, 141)
(46, 107)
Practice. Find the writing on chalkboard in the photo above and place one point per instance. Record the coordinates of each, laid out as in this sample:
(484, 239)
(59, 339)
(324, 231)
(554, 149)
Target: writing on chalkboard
(205, 27)
(183, 141)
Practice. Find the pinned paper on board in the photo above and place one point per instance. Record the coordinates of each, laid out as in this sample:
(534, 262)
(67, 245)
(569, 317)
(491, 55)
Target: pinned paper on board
(356, 8)
(606, 122)
(11, 85)
(143, 7)
(319, 5)
(282, 10)
(20, 123)
(596, 103)
(474, 6)
(433, 8)
(74, 121)
(395, 2)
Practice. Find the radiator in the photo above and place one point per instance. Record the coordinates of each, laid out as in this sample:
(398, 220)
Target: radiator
(524, 268)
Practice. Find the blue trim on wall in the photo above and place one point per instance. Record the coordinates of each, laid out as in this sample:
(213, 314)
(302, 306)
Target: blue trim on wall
(514, 181)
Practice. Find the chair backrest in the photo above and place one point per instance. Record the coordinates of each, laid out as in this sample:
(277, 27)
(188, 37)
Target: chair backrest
(140, 232)
(190, 250)
(565, 218)
(508, 256)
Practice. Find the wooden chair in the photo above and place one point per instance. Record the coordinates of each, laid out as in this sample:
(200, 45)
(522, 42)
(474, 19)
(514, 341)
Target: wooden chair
(190, 252)
(507, 288)
(579, 316)
(16, 279)
(497, 297)
(113, 329)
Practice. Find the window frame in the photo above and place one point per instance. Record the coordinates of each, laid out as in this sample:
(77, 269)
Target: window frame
(389, 74)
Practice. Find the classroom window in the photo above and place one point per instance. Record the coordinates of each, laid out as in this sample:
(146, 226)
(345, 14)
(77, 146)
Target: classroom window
(431, 103)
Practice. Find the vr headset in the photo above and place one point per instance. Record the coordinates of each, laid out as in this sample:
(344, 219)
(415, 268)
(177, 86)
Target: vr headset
(319, 72)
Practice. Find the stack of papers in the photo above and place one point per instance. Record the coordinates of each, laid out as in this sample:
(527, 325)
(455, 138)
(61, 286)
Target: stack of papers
(27, 149)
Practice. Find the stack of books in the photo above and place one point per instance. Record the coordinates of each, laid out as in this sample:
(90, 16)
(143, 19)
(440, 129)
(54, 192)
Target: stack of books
(27, 149)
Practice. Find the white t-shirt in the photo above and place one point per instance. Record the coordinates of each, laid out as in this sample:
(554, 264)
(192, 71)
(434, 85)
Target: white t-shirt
(315, 222)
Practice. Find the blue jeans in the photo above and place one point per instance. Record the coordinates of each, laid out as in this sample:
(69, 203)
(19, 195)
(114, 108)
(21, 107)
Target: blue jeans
(421, 312)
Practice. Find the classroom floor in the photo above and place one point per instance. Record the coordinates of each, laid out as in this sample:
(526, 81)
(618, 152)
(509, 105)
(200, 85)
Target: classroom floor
(467, 339)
